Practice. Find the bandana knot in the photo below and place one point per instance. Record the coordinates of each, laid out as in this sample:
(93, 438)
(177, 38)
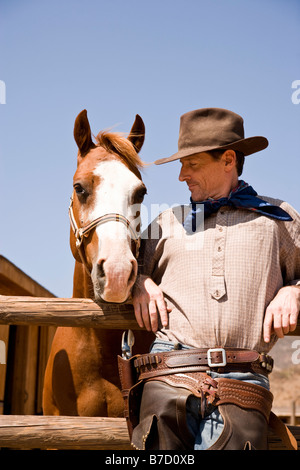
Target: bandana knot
(242, 197)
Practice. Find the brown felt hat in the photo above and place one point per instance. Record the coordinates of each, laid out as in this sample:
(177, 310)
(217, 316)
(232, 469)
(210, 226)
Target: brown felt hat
(208, 129)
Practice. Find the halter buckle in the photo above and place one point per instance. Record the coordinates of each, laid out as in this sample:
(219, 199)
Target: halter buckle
(79, 237)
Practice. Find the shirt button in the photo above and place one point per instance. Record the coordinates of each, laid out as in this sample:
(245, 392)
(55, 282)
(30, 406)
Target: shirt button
(219, 248)
(221, 229)
(217, 293)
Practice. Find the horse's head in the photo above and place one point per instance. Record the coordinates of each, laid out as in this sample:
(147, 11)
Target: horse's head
(105, 207)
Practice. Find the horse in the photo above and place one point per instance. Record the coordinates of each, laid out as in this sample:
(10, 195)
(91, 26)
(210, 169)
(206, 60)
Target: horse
(81, 376)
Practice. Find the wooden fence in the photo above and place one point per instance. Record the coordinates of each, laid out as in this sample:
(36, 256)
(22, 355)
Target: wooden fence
(19, 310)
(62, 432)
(73, 432)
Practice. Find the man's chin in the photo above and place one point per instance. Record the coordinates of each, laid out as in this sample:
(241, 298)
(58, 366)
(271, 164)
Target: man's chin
(195, 195)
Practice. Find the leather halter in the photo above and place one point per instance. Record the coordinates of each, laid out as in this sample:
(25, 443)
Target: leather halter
(81, 232)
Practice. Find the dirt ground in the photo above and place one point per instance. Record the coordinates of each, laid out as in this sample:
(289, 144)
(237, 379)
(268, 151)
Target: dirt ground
(285, 386)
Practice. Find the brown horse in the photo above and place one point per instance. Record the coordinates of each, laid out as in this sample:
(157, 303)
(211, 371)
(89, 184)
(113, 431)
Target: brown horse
(81, 377)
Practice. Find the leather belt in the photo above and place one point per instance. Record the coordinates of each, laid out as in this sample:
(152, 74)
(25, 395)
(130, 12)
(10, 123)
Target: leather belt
(200, 360)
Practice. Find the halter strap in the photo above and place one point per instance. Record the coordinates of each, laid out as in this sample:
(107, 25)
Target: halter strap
(81, 232)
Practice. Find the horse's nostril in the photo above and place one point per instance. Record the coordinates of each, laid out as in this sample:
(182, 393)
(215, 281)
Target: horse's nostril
(100, 269)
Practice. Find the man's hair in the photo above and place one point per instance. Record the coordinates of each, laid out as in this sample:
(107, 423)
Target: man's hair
(240, 158)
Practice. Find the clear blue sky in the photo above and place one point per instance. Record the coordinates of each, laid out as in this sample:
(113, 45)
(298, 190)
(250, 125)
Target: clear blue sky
(116, 58)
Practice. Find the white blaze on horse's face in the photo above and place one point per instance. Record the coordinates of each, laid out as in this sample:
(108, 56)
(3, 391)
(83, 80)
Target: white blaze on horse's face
(107, 181)
(114, 266)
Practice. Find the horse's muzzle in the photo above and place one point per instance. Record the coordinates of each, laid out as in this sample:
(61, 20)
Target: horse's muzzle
(114, 279)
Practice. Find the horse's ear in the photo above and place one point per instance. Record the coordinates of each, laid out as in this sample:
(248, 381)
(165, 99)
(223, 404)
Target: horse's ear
(82, 133)
(137, 133)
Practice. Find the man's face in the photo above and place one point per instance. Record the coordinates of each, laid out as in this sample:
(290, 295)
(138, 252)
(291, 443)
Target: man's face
(204, 176)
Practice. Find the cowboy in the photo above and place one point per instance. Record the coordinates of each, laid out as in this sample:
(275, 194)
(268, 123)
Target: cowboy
(218, 305)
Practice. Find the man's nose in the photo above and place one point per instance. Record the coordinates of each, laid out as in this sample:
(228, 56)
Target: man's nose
(183, 175)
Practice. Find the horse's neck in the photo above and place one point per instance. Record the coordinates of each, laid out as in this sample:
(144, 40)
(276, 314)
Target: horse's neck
(109, 340)
(82, 283)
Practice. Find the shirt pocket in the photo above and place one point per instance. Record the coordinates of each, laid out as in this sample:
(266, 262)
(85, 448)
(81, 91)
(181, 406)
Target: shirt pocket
(217, 287)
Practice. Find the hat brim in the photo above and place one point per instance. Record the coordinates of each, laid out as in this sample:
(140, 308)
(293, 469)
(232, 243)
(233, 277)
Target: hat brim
(246, 146)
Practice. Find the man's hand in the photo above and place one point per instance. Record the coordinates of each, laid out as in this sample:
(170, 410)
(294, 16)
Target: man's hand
(282, 313)
(149, 304)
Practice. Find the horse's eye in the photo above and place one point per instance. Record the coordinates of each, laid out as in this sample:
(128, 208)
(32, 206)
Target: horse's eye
(139, 194)
(80, 191)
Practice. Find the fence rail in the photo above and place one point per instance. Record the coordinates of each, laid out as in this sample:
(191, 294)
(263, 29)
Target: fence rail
(43, 311)
(73, 432)
(63, 432)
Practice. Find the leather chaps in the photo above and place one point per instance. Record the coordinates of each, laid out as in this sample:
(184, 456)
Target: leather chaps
(163, 420)
(156, 411)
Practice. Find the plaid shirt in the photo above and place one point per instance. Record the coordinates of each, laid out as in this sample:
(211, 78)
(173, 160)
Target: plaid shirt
(220, 279)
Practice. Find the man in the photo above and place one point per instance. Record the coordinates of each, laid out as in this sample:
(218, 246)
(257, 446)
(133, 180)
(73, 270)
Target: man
(217, 294)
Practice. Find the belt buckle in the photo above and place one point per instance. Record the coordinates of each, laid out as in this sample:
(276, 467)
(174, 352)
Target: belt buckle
(209, 358)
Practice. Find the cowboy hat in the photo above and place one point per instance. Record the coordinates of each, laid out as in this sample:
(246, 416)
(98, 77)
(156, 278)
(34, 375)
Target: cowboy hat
(208, 129)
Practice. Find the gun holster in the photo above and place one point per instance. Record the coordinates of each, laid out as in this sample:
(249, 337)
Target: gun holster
(132, 390)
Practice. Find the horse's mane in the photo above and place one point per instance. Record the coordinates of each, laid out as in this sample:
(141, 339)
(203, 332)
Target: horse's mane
(117, 143)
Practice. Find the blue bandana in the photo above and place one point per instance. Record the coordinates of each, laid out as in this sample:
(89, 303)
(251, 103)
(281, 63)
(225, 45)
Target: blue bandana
(243, 197)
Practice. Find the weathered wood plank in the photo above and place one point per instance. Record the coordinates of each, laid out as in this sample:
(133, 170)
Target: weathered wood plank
(60, 432)
(19, 310)
(13, 281)
(73, 432)
(22, 398)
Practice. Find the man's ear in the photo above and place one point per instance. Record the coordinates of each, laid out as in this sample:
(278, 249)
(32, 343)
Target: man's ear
(229, 159)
